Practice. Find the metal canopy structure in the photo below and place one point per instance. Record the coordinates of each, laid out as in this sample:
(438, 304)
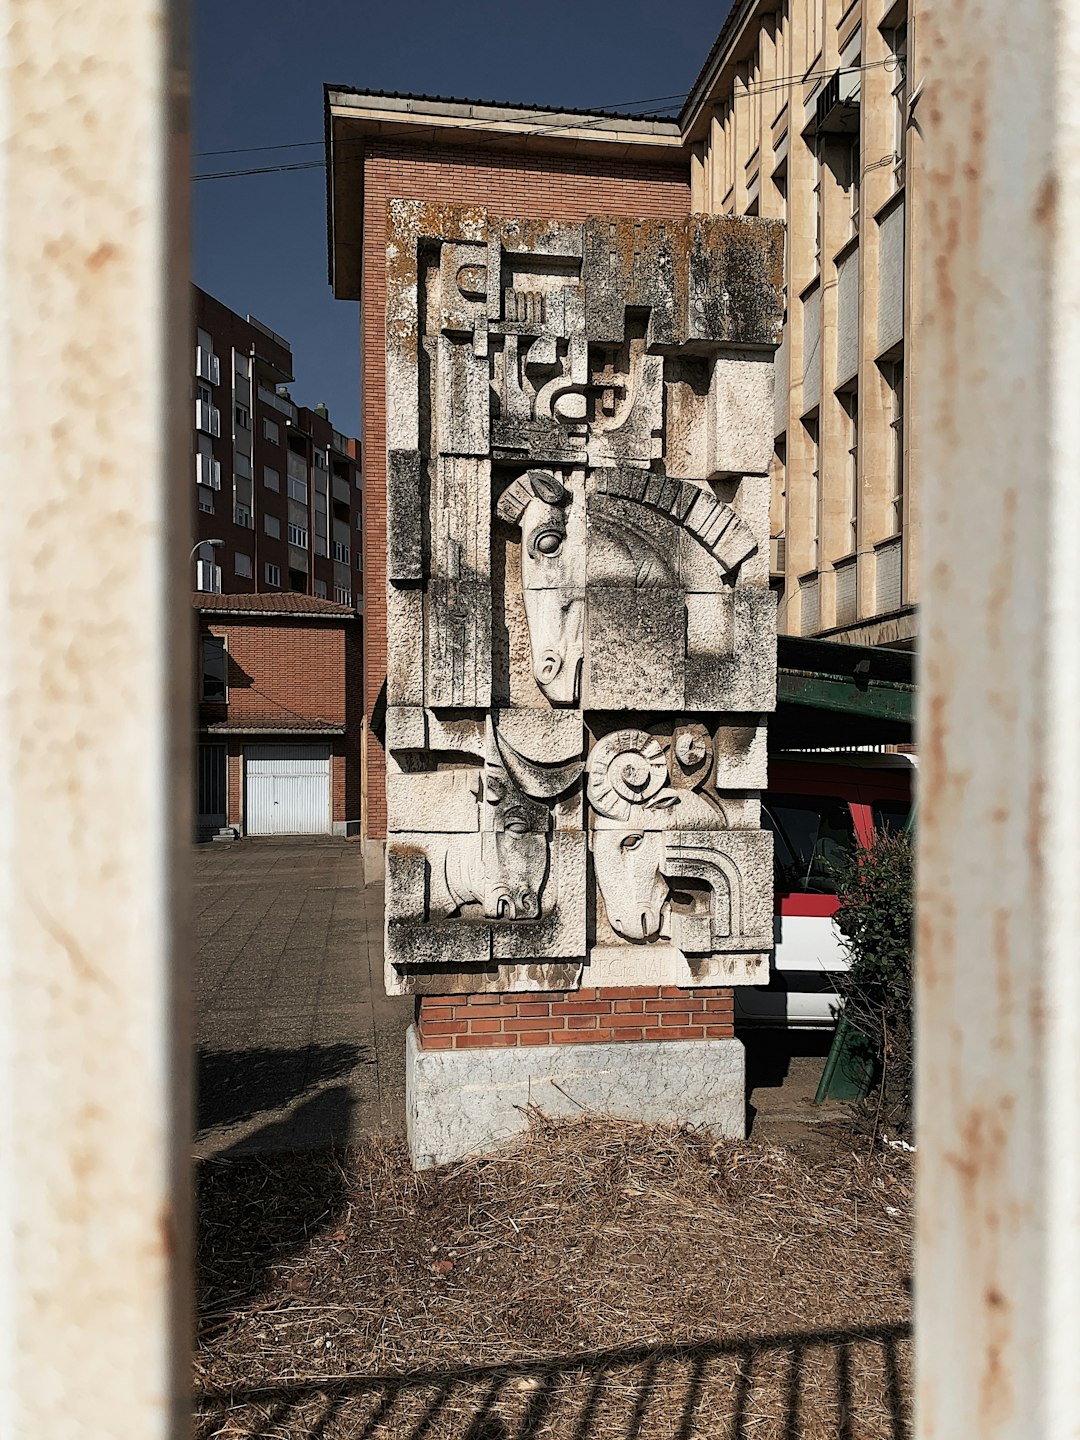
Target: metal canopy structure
(834, 694)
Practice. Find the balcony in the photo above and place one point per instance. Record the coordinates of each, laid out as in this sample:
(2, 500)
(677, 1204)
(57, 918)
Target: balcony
(207, 418)
(207, 365)
(836, 110)
(286, 407)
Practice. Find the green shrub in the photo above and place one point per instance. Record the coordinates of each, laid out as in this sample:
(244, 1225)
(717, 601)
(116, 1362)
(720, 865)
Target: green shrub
(875, 888)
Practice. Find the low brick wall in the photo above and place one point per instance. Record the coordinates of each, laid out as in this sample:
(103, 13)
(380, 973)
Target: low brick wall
(574, 1017)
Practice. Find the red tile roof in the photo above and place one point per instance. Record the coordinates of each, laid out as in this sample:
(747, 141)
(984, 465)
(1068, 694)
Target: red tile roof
(271, 603)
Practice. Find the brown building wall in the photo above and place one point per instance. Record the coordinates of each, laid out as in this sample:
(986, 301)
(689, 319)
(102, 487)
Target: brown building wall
(288, 674)
(284, 673)
(508, 183)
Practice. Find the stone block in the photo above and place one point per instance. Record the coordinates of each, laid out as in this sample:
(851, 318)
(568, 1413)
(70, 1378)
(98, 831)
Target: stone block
(404, 515)
(404, 645)
(635, 652)
(740, 413)
(743, 678)
(465, 1102)
(457, 662)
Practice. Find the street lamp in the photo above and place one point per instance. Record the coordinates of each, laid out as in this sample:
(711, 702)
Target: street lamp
(214, 545)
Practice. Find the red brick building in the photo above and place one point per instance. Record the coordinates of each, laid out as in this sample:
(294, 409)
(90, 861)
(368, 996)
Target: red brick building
(274, 482)
(548, 164)
(280, 715)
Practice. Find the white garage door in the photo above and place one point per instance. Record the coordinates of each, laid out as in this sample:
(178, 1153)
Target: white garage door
(287, 789)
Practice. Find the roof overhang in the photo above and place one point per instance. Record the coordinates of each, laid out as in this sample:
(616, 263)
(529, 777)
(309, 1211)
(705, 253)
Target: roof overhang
(353, 117)
(834, 694)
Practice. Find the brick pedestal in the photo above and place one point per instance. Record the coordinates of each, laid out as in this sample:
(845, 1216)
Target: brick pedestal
(476, 1063)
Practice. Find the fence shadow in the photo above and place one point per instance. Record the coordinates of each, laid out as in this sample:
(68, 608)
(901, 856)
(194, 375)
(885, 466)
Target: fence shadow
(845, 1383)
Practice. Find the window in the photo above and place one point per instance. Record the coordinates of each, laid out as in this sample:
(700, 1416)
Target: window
(271, 431)
(359, 521)
(242, 517)
(243, 417)
(850, 403)
(207, 415)
(213, 669)
(810, 425)
(342, 596)
(320, 589)
(207, 365)
(319, 459)
(242, 465)
(895, 379)
(272, 526)
(242, 565)
(271, 478)
(206, 500)
(297, 489)
(208, 577)
(811, 834)
(898, 64)
(818, 218)
(273, 575)
(298, 536)
(207, 469)
(242, 365)
(320, 544)
(341, 552)
(891, 816)
(359, 561)
(854, 183)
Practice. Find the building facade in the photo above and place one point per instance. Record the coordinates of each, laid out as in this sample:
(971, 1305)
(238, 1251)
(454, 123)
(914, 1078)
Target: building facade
(274, 482)
(280, 716)
(807, 112)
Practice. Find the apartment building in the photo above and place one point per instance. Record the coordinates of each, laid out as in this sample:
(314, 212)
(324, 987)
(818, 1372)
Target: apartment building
(806, 112)
(276, 486)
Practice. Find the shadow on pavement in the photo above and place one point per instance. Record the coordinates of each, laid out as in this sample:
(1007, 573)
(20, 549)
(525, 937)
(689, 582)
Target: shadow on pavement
(235, 1085)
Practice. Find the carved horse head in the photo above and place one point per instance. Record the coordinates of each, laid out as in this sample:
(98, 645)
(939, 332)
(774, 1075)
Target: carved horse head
(552, 579)
(636, 815)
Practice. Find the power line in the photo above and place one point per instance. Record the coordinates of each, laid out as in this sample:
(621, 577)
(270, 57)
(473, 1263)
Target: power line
(778, 82)
(541, 114)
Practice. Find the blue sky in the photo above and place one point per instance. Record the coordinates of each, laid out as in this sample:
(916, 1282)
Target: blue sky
(259, 66)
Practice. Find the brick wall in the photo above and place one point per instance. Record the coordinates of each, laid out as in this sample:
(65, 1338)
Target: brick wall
(508, 183)
(284, 672)
(574, 1017)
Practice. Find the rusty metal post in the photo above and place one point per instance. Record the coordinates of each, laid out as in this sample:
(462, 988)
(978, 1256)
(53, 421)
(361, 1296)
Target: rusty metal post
(94, 667)
(996, 400)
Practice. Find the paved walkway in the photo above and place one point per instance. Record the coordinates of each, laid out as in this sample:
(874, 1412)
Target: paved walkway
(298, 1046)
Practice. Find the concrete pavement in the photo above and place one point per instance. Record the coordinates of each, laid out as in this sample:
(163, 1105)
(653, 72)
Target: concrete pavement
(297, 1045)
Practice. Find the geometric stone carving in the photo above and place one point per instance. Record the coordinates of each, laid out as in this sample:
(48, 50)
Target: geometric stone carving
(581, 637)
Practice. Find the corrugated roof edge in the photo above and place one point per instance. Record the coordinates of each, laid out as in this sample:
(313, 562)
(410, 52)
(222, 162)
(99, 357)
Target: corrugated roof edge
(732, 20)
(497, 104)
(269, 603)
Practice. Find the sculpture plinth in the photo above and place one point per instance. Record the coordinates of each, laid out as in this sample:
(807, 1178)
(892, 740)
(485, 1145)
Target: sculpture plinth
(581, 635)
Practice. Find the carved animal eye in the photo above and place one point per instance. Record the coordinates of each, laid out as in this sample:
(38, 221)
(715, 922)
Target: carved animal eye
(547, 542)
(630, 842)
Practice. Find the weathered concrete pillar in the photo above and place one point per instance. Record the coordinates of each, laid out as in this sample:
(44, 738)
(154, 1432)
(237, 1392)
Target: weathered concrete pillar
(998, 1304)
(581, 659)
(94, 1125)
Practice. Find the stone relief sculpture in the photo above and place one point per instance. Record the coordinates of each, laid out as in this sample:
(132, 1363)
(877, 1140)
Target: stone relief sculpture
(581, 636)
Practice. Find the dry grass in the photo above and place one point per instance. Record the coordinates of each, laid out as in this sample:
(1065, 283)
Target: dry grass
(594, 1280)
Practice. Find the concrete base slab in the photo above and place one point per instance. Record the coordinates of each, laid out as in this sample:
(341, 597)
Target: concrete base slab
(466, 1102)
